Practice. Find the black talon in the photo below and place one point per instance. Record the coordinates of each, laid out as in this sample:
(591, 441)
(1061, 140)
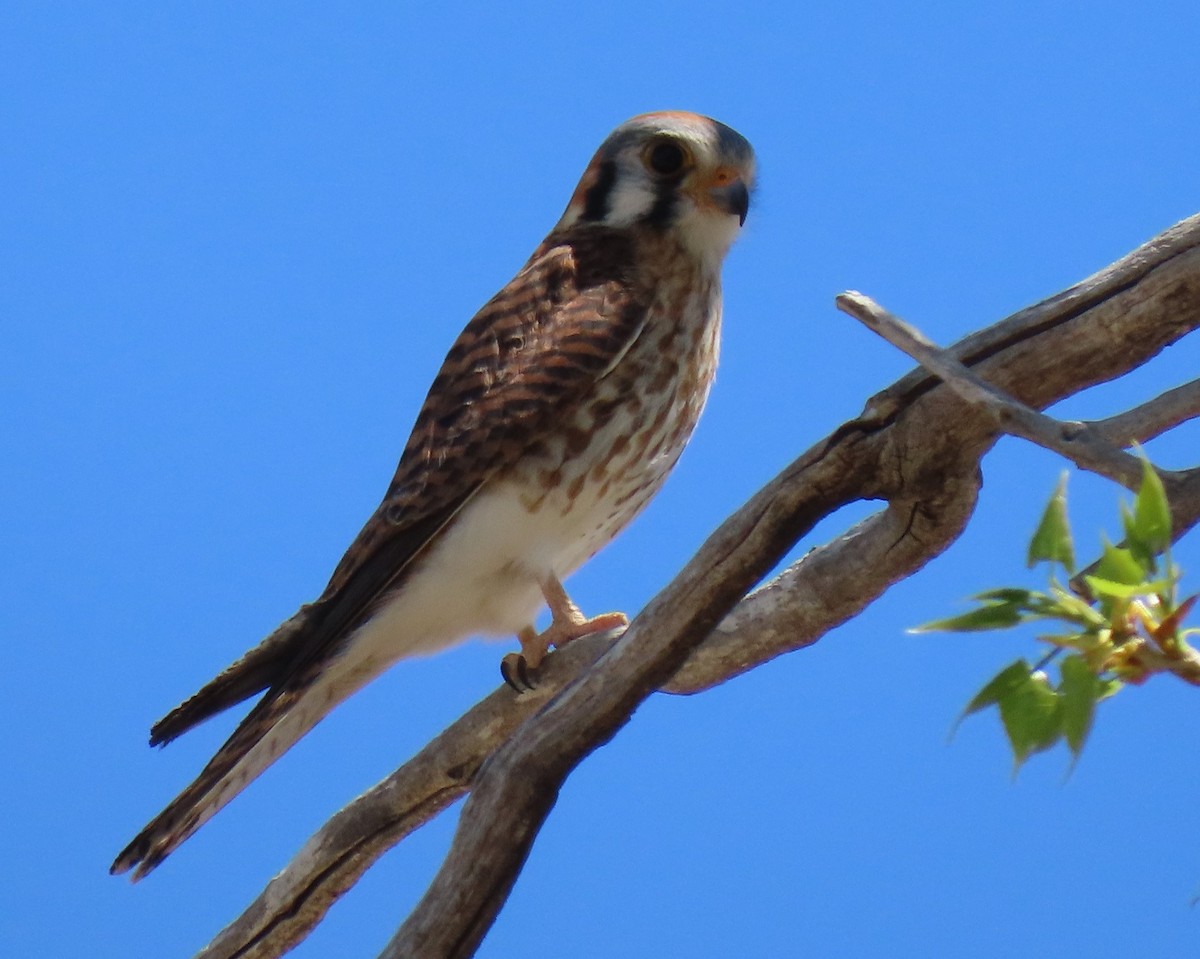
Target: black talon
(519, 677)
(504, 671)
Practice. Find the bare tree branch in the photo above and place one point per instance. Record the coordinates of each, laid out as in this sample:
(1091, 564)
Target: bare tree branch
(1154, 417)
(792, 611)
(917, 446)
(1085, 447)
(1094, 446)
(353, 839)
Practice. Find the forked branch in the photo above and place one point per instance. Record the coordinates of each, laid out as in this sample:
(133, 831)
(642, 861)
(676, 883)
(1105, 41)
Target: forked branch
(917, 447)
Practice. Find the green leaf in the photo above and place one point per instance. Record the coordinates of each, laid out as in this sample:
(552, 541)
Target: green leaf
(1070, 607)
(1106, 587)
(1052, 541)
(1151, 513)
(992, 616)
(1118, 565)
(1135, 546)
(1062, 640)
(1006, 594)
(1108, 687)
(1048, 606)
(1079, 692)
(998, 686)
(1032, 717)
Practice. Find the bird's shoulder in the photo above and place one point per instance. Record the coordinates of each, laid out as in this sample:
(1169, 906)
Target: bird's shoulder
(530, 351)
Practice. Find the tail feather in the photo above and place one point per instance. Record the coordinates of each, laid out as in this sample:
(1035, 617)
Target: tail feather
(264, 666)
(270, 729)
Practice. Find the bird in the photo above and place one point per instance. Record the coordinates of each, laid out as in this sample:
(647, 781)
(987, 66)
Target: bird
(556, 415)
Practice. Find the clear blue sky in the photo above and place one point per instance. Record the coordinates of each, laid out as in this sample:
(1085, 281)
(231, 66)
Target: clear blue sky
(236, 241)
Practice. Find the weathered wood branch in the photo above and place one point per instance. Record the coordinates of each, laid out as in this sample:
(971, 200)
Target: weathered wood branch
(1154, 417)
(916, 446)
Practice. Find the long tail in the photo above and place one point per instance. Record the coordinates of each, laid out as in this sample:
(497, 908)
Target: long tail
(279, 719)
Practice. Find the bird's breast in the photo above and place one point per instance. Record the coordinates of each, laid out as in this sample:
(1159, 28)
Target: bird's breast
(587, 478)
(571, 492)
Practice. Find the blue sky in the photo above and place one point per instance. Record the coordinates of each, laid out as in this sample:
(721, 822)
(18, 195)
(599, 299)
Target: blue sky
(235, 241)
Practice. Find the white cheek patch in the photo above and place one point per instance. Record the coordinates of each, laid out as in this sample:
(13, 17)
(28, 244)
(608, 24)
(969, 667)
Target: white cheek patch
(629, 202)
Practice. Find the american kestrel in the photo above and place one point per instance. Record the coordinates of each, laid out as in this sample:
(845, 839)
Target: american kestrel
(556, 416)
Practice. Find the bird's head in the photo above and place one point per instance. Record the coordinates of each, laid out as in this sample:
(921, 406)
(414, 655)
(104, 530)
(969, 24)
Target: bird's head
(669, 171)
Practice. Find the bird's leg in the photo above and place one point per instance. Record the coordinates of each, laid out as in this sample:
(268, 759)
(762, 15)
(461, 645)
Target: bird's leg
(567, 622)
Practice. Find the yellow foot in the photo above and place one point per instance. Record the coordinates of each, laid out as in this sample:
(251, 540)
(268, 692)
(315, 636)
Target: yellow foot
(567, 623)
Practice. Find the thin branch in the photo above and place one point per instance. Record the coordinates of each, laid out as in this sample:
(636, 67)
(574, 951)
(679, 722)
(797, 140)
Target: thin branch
(1153, 418)
(1121, 284)
(1086, 447)
(796, 608)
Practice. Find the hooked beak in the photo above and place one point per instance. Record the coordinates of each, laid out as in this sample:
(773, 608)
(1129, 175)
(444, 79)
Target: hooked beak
(733, 198)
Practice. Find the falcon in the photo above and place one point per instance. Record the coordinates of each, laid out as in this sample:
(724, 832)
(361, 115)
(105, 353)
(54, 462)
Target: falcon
(556, 416)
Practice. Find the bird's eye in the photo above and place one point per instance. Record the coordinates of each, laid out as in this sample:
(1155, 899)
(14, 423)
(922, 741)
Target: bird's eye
(666, 157)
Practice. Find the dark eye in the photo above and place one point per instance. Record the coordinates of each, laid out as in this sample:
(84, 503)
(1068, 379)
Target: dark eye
(666, 157)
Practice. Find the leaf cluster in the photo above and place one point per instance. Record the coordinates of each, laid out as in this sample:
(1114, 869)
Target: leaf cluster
(1117, 622)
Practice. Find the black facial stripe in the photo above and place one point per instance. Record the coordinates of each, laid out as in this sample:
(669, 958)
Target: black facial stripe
(596, 200)
(663, 211)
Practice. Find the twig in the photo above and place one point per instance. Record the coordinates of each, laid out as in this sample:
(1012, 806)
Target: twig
(1153, 418)
(1086, 447)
